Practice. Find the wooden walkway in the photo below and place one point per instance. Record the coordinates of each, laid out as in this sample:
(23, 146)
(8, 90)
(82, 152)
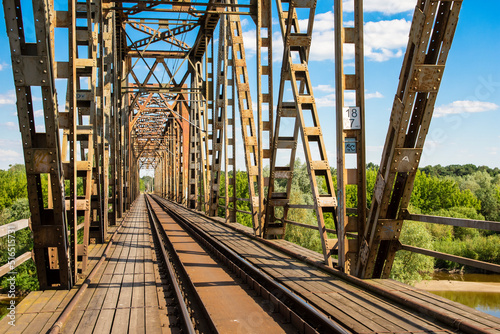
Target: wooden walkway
(356, 309)
(124, 296)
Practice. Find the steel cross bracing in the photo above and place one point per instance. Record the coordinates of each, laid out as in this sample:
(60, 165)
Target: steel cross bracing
(295, 74)
(219, 120)
(247, 120)
(33, 66)
(143, 93)
(431, 35)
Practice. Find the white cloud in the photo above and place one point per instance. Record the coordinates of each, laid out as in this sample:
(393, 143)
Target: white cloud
(9, 155)
(9, 143)
(383, 39)
(383, 6)
(11, 151)
(386, 39)
(10, 125)
(250, 41)
(377, 148)
(8, 98)
(376, 95)
(3, 66)
(349, 97)
(40, 128)
(39, 113)
(324, 88)
(325, 101)
(322, 46)
(463, 107)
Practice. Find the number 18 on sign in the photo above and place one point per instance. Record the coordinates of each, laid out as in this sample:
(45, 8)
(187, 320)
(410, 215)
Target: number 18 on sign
(352, 120)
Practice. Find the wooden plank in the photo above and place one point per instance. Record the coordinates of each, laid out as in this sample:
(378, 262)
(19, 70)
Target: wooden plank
(389, 312)
(122, 314)
(137, 313)
(55, 301)
(13, 227)
(38, 323)
(6, 268)
(70, 326)
(22, 322)
(93, 309)
(104, 322)
(28, 301)
(67, 299)
(153, 323)
(48, 325)
(41, 301)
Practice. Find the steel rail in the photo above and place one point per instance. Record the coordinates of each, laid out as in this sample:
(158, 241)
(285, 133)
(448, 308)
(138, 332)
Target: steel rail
(288, 303)
(186, 317)
(170, 257)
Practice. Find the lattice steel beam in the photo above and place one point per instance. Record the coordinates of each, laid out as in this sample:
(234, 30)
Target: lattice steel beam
(431, 35)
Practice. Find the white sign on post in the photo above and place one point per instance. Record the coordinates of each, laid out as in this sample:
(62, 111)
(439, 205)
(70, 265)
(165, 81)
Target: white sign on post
(352, 120)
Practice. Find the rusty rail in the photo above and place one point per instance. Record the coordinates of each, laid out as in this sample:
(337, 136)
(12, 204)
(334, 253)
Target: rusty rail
(287, 303)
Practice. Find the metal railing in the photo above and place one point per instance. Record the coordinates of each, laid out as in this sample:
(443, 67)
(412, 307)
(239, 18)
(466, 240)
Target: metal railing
(8, 231)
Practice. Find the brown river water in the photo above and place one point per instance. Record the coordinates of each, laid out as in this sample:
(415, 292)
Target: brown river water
(488, 302)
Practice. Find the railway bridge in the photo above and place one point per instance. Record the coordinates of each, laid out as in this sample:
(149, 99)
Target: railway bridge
(166, 86)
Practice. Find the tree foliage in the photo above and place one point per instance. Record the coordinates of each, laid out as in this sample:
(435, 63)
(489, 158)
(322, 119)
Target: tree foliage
(411, 267)
(14, 206)
(146, 183)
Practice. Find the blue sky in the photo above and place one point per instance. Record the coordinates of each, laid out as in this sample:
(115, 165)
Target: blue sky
(465, 124)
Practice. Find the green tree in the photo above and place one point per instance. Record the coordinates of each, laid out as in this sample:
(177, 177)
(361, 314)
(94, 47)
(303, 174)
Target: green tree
(432, 194)
(12, 185)
(411, 267)
(484, 188)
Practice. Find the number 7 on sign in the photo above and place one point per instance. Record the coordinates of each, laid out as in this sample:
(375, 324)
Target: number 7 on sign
(351, 118)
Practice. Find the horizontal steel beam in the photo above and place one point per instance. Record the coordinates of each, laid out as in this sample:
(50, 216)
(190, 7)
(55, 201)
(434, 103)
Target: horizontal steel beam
(460, 222)
(453, 258)
(157, 54)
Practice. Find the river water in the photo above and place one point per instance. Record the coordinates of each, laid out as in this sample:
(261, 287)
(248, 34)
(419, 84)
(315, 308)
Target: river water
(488, 302)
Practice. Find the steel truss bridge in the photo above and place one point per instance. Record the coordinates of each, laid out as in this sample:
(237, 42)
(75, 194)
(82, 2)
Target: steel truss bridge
(164, 85)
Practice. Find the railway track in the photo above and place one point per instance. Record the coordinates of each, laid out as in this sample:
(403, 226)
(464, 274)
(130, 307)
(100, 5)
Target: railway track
(196, 265)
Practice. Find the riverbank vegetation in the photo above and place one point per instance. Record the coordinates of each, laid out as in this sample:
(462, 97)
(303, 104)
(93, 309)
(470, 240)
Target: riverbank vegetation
(14, 206)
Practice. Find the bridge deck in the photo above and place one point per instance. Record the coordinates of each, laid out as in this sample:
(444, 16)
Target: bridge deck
(122, 295)
(356, 309)
(126, 294)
